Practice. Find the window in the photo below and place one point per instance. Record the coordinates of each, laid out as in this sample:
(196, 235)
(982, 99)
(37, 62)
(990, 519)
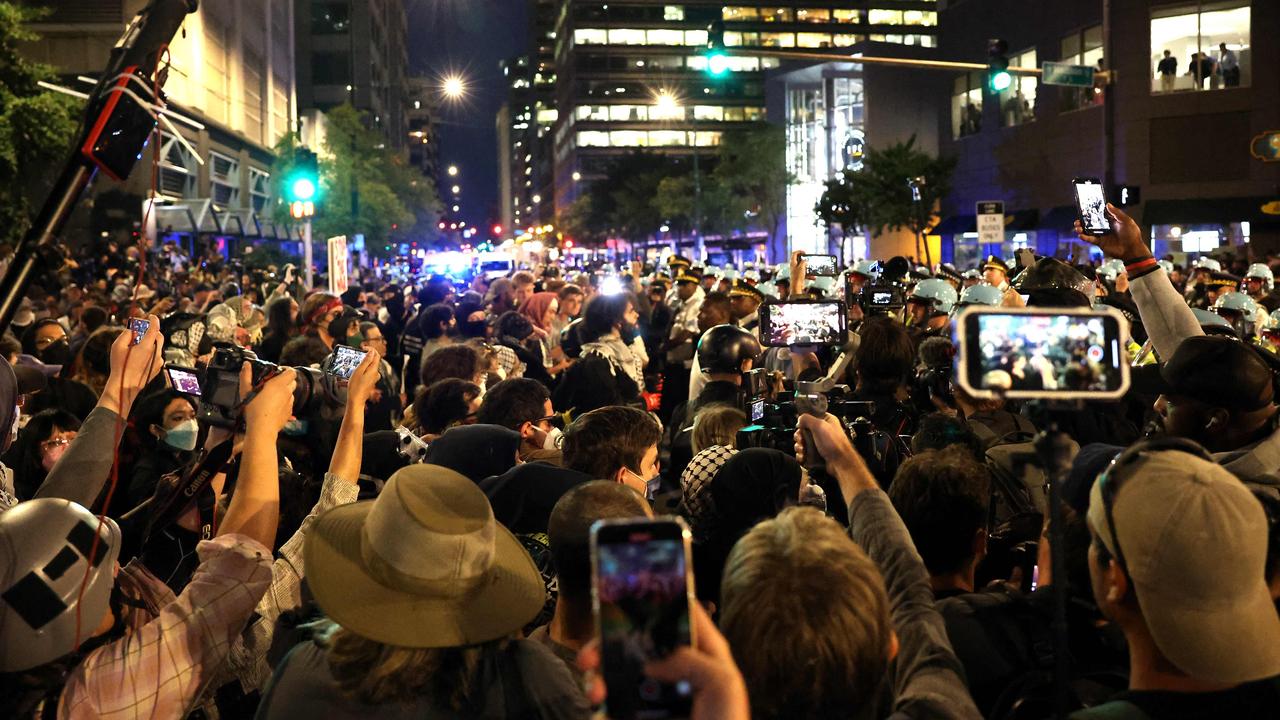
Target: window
(695, 38)
(663, 62)
(673, 12)
(813, 15)
(254, 94)
(813, 40)
(178, 169)
(259, 189)
(626, 37)
(852, 17)
(784, 40)
(846, 39)
(590, 36)
(217, 95)
(739, 13)
(1082, 48)
(966, 104)
(776, 14)
(628, 138)
(742, 39)
(660, 138)
(706, 139)
(919, 17)
(1203, 50)
(666, 37)
(330, 18)
(330, 68)
(593, 138)
(1018, 102)
(885, 17)
(770, 63)
(224, 178)
(708, 112)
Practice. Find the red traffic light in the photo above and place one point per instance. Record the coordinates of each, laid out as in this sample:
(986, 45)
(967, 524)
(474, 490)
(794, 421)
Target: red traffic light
(497, 229)
(568, 244)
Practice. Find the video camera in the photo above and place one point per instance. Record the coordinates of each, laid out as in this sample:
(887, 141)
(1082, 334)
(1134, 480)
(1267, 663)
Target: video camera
(220, 403)
(882, 298)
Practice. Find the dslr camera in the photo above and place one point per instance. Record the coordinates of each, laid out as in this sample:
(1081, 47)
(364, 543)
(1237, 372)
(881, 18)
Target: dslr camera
(882, 299)
(220, 403)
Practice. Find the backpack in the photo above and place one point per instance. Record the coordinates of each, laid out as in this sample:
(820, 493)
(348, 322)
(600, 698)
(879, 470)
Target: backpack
(1019, 485)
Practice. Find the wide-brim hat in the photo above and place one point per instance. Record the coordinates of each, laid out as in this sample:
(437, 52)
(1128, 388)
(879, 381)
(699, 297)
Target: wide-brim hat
(425, 565)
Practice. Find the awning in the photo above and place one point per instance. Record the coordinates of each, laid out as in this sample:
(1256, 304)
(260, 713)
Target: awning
(1208, 211)
(956, 225)
(1062, 218)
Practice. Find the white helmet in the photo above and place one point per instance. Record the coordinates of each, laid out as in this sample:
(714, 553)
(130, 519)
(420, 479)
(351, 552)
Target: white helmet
(981, 294)
(1260, 271)
(46, 544)
(1235, 302)
(937, 293)
(1111, 269)
(1207, 263)
(1166, 264)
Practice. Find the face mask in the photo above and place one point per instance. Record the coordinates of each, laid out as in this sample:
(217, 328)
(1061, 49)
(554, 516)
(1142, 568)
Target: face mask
(551, 441)
(51, 457)
(58, 353)
(295, 427)
(651, 485)
(183, 436)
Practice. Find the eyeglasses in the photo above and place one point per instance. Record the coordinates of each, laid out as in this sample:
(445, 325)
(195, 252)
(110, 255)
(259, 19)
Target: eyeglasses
(56, 442)
(47, 341)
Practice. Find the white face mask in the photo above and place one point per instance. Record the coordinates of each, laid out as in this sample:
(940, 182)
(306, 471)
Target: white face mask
(552, 439)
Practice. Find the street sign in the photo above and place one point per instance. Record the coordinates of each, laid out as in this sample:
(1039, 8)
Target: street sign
(1266, 147)
(1056, 73)
(338, 264)
(990, 220)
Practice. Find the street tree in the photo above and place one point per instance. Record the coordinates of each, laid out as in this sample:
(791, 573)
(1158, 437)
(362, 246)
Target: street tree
(37, 126)
(752, 166)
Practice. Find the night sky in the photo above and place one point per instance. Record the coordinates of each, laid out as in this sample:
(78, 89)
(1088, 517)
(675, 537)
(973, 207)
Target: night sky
(468, 37)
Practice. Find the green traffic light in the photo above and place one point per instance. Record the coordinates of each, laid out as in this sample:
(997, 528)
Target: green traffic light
(717, 64)
(304, 189)
(1001, 80)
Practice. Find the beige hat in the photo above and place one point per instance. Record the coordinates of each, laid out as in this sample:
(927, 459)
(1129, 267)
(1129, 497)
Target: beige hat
(425, 565)
(1195, 543)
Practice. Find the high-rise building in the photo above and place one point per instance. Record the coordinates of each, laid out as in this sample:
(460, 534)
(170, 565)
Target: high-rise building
(354, 51)
(633, 74)
(420, 116)
(525, 138)
(231, 79)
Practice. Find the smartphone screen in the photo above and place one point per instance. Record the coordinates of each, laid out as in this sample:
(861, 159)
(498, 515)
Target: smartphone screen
(642, 586)
(184, 381)
(1043, 354)
(345, 361)
(783, 324)
(139, 328)
(757, 410)
(821, 265)
(1091, 201)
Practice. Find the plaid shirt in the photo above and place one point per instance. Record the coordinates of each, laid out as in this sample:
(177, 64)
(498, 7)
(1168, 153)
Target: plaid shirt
(159, 669)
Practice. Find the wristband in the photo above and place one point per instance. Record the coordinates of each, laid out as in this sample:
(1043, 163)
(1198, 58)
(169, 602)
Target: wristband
(1139, 265)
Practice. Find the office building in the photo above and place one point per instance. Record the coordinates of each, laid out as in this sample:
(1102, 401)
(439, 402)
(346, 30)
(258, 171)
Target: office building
(231, 78)
(354, 51)
(526, 125)
(1186, 139)
(632, 74)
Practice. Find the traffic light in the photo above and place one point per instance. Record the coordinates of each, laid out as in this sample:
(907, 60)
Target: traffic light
(717, 57)
(303, 182)
(998, 77)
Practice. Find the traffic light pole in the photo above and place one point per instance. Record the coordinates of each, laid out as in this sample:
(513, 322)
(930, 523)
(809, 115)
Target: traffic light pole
(307, 253)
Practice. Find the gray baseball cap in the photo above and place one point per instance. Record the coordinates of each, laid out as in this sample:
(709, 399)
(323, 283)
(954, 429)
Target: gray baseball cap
(1195, 542)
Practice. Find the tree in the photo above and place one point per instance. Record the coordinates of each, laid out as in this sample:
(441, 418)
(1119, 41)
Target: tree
(879, 195)
(393, 198)
(753, 167)
(37, 126)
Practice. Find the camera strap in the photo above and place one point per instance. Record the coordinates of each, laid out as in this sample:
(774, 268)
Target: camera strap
(190, 487)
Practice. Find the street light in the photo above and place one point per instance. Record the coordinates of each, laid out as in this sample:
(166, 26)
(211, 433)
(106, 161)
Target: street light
(456, 189)
(666, 106)
(454, 87)
(453, 171)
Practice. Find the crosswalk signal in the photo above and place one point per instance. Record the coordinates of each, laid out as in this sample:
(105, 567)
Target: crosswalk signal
(998, 77)
(717, 57)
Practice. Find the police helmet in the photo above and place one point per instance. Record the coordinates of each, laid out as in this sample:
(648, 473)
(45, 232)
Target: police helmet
(1051, 282)
(981, 294)
(939, 294)
(723, 348)
(1260, 271)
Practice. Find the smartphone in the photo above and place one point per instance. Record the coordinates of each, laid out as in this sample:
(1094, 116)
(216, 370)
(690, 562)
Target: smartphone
(139, 328)
(1042, 353)
(757, 410)
(183, 380)
(1091, 201)
(344, 361)
(821, 265)
(803, 322)
(642, 589)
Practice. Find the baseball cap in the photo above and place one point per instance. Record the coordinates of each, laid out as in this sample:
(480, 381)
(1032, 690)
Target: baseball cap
(1216, 370)
(1194, 539)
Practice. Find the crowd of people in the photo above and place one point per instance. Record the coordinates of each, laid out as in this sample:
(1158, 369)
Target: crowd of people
(201, 519)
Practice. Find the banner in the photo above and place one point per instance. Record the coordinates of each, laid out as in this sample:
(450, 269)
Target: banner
(338, 263)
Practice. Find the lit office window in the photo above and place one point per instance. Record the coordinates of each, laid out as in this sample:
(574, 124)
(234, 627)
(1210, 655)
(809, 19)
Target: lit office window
(784, 40)
(666, 37)
(770, 63)
(813, 40)
(706, 139)
(597, 113)
(1018, 101)
(628, 113)
(813, 15)
(852, 17)
(709, 112)
(966, 104)
(672, 12)
(590, 36)
(1204, 50)
(667, 138)
(776, 14)
(623, 36)
(695, 38)
(593, 138)
(666, 111)
(739, 13)
(742, 39)
(885, 17)
(628, 138)
(1081, 48)
(919, 17)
